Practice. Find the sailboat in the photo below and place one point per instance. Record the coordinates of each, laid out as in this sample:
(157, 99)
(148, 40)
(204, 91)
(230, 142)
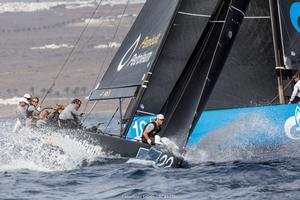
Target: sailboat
(168, 63)
(206, 71)
(245, 97)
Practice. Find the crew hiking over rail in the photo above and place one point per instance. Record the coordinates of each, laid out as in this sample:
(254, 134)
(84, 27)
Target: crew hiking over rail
(31, 115)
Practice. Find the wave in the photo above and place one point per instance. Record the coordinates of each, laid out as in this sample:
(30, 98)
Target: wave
(47, 151)
(100, 21)
(52, 46)
(10, 7)
(10, 101)
(110, 45)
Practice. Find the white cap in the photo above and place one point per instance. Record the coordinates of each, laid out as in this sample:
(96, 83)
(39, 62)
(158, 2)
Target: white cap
(23, 99)
(160, 116)
(27, 96)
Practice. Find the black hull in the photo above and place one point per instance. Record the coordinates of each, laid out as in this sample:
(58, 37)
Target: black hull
(114, 145)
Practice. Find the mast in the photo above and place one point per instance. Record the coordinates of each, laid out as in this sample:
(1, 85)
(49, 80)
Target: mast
(275, 22)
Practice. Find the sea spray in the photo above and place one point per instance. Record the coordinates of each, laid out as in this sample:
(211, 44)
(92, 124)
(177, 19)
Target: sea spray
(46, 151)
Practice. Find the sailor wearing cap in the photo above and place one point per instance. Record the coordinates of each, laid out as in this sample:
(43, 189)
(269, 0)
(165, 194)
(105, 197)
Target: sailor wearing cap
(28, 97)
(22, 112)
(152, 129)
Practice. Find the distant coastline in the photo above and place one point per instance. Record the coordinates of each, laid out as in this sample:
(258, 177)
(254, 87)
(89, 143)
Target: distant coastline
(37, 37)
(8, 106)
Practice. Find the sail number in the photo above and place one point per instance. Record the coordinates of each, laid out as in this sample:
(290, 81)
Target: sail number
(139, 127)
(165, 161)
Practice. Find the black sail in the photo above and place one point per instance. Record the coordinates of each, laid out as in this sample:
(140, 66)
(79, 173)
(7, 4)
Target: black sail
(249, 76)
(290, 27)
(138, 51)
(182, 39)
(193, 89)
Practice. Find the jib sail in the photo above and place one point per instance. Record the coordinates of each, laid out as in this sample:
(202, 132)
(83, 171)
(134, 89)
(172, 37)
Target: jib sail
(195, 85)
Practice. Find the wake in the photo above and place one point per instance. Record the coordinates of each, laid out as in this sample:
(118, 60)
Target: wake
(47, 151)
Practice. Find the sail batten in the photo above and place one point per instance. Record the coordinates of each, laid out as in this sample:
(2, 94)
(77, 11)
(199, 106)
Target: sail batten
(194, 14)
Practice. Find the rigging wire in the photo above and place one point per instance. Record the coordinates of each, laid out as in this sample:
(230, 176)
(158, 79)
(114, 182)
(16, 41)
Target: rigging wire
(112, 117)
(89, 39)
(71, 53)
(104, 61)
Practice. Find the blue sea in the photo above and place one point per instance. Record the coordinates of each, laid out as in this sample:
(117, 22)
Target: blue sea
(29, 170)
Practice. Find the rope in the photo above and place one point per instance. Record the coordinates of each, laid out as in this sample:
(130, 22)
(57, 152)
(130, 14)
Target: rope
(106, 56)
(87, 115)
(111, 119)
(70, 54)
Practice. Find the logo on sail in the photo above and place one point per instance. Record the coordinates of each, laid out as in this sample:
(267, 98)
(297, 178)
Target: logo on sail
(292, 126)
(150, 41)
(295, 15)
(131, 58)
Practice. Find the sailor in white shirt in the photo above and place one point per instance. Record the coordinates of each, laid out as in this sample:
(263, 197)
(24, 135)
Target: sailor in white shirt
(70, 117)
(295, 98)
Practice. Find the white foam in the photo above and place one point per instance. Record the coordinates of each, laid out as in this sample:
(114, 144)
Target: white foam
(141, 162)
(9, 7)
(42, 152)
(110, 45)
(52, 46)
(108, 20)
(121, 2)
(10, 101)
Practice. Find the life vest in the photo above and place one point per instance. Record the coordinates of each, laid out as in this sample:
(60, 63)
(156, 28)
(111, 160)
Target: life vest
(152, 133)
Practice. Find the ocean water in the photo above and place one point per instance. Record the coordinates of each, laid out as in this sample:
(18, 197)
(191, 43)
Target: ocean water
(31, 170)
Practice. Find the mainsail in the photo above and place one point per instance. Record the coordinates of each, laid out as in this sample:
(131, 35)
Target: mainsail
(249, 76)
(289, 17)
(138, 52)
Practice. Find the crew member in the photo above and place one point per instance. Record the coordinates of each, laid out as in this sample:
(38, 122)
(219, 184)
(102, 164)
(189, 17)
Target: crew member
(28, 97)
(33, 112)
(70, 116)
(51, 117)
(152, 129)
(22, 112)
(295, 98)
